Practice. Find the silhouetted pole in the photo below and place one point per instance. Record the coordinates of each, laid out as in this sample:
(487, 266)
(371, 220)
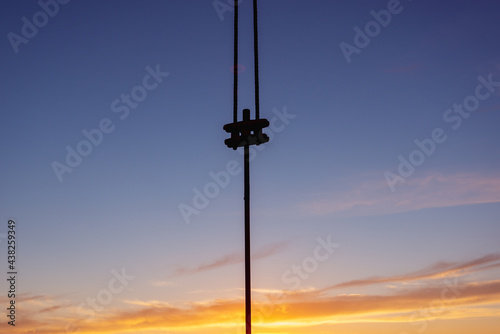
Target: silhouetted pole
(248, 285)
(243, 134)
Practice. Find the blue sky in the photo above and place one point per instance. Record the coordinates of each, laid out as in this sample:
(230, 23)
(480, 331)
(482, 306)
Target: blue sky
(338, 128)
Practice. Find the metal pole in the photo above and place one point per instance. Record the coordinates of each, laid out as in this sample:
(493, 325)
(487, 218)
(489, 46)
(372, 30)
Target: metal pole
(248, 287)
(248, 291)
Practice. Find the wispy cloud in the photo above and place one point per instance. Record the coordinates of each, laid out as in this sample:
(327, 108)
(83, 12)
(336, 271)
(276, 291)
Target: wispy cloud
(448, 294)
(495, 107)
(51, 308)
(220, 262)
(162, 283)
(303, 309)
(373, 197)
(438, 270)
(233, 258)
(151, 303)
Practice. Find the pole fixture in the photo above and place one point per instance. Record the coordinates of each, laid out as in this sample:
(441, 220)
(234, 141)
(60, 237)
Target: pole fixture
(243, 134)
(246, 132)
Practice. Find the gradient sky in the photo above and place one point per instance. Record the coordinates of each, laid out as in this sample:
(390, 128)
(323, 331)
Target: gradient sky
(106, 249)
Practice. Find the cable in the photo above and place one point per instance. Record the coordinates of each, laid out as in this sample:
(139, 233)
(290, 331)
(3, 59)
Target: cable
(235, 65)
(256, 61)
(256, 58)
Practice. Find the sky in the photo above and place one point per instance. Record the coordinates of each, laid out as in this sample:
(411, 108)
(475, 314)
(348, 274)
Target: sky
(374, 206)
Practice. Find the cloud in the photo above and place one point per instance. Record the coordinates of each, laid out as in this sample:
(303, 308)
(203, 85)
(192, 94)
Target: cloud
(303, 309)
(448, 294)
(151, 303)
(445, 297)
(234, 258)
(434, 190)
(495, 107)
(36, 312)
(51, 308)
(438, 270)
(269, 250)
(162, 283)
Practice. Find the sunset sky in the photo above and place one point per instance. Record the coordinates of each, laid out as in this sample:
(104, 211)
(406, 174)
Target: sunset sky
(375, 206)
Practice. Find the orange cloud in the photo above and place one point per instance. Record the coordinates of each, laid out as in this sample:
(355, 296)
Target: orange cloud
(449, 295)
(300, 309)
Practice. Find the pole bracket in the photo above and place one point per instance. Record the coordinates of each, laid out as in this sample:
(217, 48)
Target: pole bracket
(246, 132)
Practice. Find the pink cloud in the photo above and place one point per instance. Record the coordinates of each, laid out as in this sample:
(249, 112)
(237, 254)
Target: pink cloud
(490, 108)
(438, 270)
(234, 258)
(434, 190)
